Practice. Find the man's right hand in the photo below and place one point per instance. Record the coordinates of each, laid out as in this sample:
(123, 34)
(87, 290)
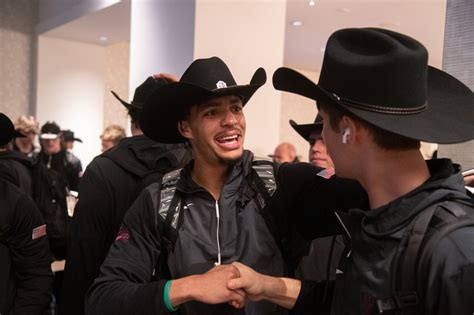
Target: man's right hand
(209, 288)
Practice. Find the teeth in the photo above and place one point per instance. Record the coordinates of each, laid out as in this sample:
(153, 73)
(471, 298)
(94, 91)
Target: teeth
(228, 138)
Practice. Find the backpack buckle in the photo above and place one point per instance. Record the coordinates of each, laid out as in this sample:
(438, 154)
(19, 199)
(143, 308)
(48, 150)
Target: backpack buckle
(406, 299)
(399, 301)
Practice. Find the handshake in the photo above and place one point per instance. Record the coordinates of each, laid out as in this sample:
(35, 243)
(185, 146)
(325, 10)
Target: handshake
(234, 284)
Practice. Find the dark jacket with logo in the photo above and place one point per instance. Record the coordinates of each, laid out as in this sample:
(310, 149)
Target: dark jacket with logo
(106, 192)
(25, 270)
(125, 285)
(375, 238)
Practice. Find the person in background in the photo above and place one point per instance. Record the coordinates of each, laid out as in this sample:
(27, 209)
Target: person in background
(111, 136)
(325, 252)
(67, 143)
(109, 186)
(284, 152)
(28, 126)
(25, 270)
(57, 159)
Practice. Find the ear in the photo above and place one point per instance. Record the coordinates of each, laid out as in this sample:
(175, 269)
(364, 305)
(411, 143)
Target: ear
(185, 129)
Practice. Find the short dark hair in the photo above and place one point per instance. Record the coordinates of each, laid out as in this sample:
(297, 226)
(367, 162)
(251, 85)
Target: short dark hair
(385, 139)
(135, 114)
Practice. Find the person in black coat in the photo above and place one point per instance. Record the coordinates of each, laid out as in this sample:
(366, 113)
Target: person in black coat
(109, 186)
(25, 270)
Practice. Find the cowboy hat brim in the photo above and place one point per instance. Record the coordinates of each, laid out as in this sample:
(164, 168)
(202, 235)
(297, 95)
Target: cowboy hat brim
(449, 117)
(168, 104)
(305, 130)
(127, 105)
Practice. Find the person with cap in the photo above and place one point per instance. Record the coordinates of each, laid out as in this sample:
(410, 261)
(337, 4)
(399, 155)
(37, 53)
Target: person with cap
(17, 165)
(109, 186)
(67, 144)
(325, 252)
(285, 152)
(111, 136)
(317, 149)
(25, 270)
(179, 236)
(412, 252)
(29, 127)
(56, 158)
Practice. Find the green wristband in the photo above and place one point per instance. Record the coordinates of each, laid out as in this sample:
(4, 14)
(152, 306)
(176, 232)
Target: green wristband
(166, 297)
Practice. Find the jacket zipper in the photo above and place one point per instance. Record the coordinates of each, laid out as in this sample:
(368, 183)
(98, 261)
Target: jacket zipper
(218, 262)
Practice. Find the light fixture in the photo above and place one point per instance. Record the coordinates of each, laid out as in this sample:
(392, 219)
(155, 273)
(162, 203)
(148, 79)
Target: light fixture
(103, 38)
(297, 23)
(312, 3)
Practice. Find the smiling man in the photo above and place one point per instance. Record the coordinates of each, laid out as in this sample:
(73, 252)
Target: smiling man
(215, 211)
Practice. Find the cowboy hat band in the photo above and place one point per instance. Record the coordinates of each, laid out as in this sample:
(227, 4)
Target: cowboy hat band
(203, 80)
(382, 77)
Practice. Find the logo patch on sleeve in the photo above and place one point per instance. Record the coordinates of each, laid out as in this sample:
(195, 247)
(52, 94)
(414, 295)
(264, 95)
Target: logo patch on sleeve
(123, 234)
(327, 173)
(38, 232)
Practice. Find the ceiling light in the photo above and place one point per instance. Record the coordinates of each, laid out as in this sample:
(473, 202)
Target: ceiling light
(312, 3)
(103, 38)
(297, 23)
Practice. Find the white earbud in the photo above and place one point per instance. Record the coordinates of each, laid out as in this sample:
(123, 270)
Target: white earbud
(346, 134)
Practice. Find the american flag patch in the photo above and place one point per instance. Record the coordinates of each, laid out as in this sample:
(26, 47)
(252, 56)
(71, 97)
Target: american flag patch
(327, 173)
(38, 232)
(123, 234)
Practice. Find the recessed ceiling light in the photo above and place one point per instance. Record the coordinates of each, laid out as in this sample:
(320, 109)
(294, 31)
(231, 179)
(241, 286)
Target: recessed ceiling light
(103, 38)
(297, 23)
(343, 10)
(312, 3)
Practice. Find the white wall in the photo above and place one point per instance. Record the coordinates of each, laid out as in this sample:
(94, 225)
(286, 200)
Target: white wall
(247, 35)
(70, 90)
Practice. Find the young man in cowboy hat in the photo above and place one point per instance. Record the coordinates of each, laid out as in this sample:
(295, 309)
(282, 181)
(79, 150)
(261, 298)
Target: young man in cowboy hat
(211, 206)
(378, 99)
(25, 259)
(109, 186)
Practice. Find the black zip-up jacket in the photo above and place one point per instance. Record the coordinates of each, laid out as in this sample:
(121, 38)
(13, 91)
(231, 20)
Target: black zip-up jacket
(450, 278)
(25, 259)
(106, 192)
(125, 285)
(17, 168)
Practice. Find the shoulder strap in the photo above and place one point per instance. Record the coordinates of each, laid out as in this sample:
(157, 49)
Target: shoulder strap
(418, 244)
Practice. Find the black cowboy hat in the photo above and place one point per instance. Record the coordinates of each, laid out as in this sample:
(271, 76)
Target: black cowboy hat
(204, 79)
(305, 130)
(68, 136)
(142, 92)
(383, 78)
(7, 130)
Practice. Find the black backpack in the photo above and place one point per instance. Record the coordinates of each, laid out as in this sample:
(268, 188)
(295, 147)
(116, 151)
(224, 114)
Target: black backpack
(262, 181)
(49, 193)
(418, 244)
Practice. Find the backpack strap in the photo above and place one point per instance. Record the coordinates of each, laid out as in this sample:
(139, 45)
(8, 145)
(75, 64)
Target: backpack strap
(168, 220)
(418, 244)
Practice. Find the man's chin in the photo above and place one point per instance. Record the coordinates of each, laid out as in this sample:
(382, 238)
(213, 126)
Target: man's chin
(232, 158)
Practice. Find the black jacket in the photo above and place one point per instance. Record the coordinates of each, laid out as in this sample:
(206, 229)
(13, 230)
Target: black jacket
(125, 284)
(17, 169)
(64, 164)
(25, 270)
(375, 240)
(106, 192)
